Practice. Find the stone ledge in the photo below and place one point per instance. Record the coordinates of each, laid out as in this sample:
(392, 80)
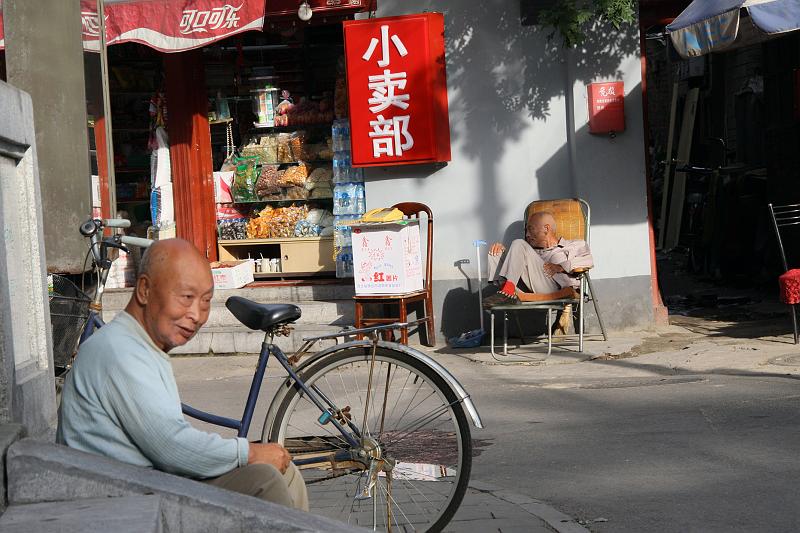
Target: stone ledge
(9, 434)
(42, 472)
(131, 514)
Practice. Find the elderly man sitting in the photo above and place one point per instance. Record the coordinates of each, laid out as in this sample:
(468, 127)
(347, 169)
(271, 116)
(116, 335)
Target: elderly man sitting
(120, 399)
(541, 263)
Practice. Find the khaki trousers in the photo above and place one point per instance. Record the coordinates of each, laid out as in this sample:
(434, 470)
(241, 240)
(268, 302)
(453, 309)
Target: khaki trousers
(267, 483)
(522, 263)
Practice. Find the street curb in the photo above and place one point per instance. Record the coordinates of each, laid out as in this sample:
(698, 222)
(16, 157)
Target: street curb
(554, 518)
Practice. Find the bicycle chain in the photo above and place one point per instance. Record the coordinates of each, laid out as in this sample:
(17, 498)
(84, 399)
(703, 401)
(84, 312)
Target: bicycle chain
(334, 476)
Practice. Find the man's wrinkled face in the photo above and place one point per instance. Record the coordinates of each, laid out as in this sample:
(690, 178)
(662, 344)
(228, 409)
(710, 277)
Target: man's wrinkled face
(537, 233)
(178, 305)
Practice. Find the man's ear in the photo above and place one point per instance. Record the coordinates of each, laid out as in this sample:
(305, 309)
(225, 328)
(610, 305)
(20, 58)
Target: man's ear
(142, 290)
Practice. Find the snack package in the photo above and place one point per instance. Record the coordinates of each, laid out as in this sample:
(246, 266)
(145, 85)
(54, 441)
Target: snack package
(244, 180)
(232, 229)
(268, 181)
(284, 150)
(295, 175)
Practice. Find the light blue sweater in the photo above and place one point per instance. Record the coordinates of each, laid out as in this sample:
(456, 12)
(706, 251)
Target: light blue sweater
(120, 400)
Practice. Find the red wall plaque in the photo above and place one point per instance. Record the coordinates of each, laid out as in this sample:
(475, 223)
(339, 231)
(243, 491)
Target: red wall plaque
(397, 87)
(606, 107)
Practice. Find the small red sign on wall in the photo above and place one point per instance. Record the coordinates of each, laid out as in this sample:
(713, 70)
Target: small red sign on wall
(606, 107)
(397, 87)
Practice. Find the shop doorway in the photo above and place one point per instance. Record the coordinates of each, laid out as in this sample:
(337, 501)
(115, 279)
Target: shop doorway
(723, 136)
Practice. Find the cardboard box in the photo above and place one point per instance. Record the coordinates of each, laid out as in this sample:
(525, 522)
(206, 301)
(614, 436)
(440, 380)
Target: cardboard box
(232, 277)
(387, 258)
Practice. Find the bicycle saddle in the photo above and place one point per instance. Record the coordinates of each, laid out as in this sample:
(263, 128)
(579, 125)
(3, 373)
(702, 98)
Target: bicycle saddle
(261, 316)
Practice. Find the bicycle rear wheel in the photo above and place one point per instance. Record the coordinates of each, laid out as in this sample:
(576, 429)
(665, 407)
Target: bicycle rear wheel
(416, 423)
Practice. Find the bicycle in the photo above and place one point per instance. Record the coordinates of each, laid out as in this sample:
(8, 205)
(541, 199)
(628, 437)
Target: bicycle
(378, 429)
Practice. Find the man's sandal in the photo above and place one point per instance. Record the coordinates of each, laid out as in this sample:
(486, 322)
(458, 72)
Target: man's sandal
(500, 298)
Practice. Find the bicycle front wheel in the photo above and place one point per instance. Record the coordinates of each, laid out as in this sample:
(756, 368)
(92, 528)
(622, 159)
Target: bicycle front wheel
(415, 428)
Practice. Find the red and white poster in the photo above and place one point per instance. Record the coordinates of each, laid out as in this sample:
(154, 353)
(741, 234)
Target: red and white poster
(397, 88)
(167, 25)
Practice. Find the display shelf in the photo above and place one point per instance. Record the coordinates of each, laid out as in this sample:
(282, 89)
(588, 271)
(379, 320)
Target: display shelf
(279, 240)
(316, 162)
(290, 127)
(220, 121)
(298, 255)
(278, 200)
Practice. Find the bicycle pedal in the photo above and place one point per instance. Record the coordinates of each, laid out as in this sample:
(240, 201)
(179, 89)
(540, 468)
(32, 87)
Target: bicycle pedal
(366, 494)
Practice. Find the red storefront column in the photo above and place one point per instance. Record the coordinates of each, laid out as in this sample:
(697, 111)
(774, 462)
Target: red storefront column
(190, 150)
(102, 167)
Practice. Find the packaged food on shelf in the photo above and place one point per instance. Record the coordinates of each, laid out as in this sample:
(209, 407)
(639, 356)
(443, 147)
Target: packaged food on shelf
(264, 103)
(295, 175)
(269, 181)
(244, 181)
(278, 222)
(232, 229)
(284, 150)
(323, 217)
(301, 149)
(320, 175)
(304, 228)
(295, 192)
(321, 192)
(265, 147)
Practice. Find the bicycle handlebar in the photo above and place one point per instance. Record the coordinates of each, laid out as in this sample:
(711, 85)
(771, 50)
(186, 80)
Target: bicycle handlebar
(136, 241)
(116, 223)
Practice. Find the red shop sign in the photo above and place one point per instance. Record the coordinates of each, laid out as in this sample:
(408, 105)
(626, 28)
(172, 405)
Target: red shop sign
(606, 107)
(397, 87)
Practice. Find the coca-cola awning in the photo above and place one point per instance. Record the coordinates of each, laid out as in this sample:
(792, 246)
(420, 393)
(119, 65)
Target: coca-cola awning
(167, 25)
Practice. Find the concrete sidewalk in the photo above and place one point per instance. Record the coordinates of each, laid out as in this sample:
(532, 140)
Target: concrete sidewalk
(687, 346)
(487, 507)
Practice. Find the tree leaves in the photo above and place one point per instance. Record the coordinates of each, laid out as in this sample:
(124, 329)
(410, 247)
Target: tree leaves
(573, 18)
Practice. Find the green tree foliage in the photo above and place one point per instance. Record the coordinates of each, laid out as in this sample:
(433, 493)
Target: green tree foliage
(572, 18)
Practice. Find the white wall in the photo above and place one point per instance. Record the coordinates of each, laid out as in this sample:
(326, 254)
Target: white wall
(513, 140)
(519, 132)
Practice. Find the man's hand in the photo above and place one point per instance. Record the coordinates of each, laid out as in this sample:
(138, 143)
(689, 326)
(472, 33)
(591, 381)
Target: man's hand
(552, 269)
(269, 453)
(497, 249)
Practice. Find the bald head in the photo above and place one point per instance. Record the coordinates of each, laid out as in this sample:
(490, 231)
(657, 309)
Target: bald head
(169, 254)
(172, 298)
(541, 231)
(544, 218)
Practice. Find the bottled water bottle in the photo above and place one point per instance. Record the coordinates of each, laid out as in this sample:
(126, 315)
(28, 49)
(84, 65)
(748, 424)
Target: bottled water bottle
(344, 263)
(361, 201)
(336, 133)
(345, 196)
(343, 233)
(346, 135)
